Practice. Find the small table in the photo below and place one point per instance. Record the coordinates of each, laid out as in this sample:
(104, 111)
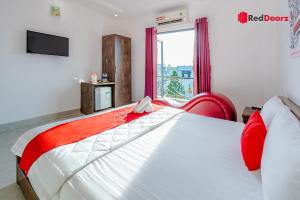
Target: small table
(248, 111)
(88, 96)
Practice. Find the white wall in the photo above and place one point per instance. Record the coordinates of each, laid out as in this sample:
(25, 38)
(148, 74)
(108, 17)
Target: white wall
(35, 85)
(289, 66)
(245, 63)
(245, 59)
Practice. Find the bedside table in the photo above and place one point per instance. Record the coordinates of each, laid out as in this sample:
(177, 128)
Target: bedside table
(248, 112)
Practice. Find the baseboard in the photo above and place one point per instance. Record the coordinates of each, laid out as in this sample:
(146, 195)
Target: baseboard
(41, 119)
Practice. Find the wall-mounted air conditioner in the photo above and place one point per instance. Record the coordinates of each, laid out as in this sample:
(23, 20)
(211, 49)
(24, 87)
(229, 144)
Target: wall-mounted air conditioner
(172, 17)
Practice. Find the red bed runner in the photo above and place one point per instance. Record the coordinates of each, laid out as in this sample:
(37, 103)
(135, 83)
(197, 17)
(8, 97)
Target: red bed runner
(76, 131)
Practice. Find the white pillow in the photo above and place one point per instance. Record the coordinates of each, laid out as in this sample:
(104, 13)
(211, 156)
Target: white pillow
(280, 165)
(270, 109)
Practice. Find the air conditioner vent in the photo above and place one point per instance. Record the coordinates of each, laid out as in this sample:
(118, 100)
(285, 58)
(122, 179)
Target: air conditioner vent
(170, 22)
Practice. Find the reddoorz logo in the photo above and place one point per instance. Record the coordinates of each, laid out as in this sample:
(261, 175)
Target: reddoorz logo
(244, 17)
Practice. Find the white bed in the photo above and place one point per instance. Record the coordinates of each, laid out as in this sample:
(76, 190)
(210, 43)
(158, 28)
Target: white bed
(186, 157)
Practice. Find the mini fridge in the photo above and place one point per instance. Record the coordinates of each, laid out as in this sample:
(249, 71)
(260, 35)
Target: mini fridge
(103, 98)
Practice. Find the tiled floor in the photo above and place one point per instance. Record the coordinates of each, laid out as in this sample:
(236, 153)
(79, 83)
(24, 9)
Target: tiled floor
(7, 138)
(11, 192)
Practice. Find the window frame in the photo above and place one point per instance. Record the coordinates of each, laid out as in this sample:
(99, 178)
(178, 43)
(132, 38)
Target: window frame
(162, 50)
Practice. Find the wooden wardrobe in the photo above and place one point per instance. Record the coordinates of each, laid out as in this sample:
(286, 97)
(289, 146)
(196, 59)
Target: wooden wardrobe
(116, 62)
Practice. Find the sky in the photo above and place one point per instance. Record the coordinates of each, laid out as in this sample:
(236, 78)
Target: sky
(178, 48)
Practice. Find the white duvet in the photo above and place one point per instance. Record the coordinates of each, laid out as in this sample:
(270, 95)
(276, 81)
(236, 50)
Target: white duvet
(167, 155)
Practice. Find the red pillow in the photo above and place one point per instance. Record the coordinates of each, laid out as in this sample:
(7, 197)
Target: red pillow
(252, 141)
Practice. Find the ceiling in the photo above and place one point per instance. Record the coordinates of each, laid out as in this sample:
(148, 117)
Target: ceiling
(139, 7)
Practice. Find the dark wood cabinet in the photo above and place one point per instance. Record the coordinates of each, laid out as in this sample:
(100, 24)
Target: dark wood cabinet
(116, 62)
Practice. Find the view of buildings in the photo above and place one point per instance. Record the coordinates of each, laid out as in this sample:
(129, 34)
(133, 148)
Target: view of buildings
(175, 54)
(175, 82)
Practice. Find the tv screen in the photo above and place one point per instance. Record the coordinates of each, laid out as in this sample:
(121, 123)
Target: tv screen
(41, 43)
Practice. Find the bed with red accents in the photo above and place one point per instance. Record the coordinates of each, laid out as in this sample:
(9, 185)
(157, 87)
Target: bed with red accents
(89, 137)
(124, 155)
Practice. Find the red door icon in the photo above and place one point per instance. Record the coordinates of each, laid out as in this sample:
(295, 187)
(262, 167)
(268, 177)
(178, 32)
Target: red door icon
(243, 17)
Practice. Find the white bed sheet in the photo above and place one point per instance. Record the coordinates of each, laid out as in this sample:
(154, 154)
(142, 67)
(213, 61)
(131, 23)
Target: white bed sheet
(52, 169)
(187, 158)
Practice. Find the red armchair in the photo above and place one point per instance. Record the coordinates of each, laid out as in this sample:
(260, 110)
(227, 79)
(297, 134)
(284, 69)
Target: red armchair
(206, 104)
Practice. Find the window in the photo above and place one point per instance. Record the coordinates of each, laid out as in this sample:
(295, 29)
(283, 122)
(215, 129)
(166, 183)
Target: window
(175, 64)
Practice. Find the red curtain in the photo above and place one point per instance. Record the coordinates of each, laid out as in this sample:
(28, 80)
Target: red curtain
(202, 67)
(151, 63)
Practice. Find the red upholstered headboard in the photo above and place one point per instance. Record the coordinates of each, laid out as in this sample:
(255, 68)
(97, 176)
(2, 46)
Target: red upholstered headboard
(207, 104)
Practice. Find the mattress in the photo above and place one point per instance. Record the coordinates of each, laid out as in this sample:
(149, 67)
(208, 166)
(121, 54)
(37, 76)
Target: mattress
(186, 157)
(189, 157)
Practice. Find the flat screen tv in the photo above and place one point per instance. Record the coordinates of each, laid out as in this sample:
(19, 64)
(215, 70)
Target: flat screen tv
(40, 43)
